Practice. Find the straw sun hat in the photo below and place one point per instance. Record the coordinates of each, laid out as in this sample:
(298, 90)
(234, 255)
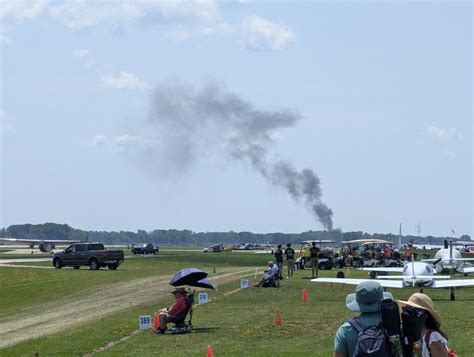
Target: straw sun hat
(179, 290)
(422, 301)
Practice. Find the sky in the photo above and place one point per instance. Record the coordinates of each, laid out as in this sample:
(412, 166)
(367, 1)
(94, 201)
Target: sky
(208, 115)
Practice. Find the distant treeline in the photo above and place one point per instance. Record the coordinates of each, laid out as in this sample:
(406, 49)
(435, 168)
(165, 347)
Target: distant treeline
(187, 237)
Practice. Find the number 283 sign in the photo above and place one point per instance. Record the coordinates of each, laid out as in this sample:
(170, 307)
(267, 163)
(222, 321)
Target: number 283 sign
(145, 322)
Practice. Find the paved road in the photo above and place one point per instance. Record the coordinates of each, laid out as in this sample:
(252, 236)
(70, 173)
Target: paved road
(25, 260)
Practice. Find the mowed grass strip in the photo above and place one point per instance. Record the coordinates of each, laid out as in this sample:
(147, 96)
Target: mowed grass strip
(87, 337)
(29, 293)
(237, 324)
(25, 290)
(243, 324)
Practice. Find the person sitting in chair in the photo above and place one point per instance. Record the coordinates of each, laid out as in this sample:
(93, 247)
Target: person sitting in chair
(168, 315)
(270, 277)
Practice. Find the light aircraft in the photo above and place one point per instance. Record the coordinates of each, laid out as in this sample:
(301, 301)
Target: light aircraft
(44, 245)
(368, 242)
(448, 260)
(414, 274)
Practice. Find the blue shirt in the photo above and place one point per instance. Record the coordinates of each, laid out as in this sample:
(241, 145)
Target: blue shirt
(346, 335)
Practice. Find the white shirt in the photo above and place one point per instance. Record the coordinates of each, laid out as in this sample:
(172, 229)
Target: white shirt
(273, 271)
(435, 336)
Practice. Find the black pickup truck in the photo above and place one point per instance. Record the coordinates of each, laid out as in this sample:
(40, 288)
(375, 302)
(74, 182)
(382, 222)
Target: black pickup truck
(92, 254)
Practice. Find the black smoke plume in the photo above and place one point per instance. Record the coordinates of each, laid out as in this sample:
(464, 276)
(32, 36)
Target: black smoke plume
(186, 119)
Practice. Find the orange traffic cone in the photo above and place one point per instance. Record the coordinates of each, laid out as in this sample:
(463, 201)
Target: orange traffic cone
(278, 318)
(156, 321)
(305, 295)
(330, 285)
(209, 352)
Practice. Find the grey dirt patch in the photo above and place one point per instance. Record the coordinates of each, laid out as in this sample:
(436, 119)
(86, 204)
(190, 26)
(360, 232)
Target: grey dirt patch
(96, 305)
(136, 332)
(24, 266)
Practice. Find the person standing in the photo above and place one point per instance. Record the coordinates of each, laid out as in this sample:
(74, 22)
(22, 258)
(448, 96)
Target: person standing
(290, 259)
(434, 340)
(314, 253)
(279, 261)
(409, 251)
(366, 300)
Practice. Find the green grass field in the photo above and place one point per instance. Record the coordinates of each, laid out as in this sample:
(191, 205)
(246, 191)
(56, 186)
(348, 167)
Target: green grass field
(81, 312)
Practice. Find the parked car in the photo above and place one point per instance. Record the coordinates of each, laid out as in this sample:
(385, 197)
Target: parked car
(325, 262)
(325, 257)
(145, 248)
(214, 249)
(93, 255)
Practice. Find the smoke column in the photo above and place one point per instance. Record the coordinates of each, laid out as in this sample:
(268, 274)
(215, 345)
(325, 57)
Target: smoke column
(185, 119)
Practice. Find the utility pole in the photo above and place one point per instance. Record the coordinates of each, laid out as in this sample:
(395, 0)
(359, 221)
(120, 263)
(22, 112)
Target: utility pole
(400, 237)
(418, 229)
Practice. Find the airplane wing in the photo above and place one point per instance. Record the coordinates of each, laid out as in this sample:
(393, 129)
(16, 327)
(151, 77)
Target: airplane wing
(453, 283)
(384, 283)
(427, 277)
(465, 270)
(384, 269)
(454, 260)
(30, 241)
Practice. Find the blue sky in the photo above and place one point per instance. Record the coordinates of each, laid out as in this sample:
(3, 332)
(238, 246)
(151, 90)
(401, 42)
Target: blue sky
(384, 91)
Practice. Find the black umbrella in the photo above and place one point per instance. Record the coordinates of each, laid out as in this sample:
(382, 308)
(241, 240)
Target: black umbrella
(188, 276)
(203, 283)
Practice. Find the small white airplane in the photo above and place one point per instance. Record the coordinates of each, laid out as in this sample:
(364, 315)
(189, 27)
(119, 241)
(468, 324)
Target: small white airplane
(448, 260)
(414, 274)
(44, 245)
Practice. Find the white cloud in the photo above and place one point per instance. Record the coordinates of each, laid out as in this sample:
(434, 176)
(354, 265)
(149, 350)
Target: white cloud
(4, 34)
(79, 14)
(257, 34)
(119, 143)
(85, 56)
(4, 39)
(81, 53)
(129, 142)
(449, 153)
(443, 133)
(22, 10)
(124, 80)
(5, 124)
(260, 34)
(201, 9)
(182, 33)
(97, 140)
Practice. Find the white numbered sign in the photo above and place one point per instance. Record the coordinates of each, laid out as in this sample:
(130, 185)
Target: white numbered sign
(145, 322)
(244, 283)
(203, 298)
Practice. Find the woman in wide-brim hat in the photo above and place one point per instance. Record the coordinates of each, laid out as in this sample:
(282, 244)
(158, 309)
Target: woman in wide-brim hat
(434, 340)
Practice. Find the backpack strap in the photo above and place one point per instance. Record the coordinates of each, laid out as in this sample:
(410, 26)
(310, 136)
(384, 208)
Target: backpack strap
(427, 340)
(357, 324)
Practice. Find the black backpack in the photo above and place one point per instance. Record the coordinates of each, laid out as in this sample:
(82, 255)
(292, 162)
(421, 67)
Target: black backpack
(371, 341)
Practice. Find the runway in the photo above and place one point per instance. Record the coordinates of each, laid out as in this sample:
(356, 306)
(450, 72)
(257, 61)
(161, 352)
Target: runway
(25, 260)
